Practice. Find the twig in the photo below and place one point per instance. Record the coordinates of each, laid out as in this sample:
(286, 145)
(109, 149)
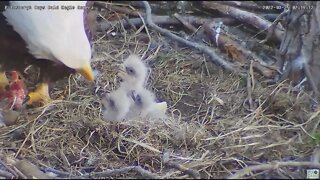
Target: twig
(243, 16)
(148, 34)
(272, 166)
(29, 170)
(20, 174)
(273, 26)
(193, 173)
(115, 172)
(162, 20)
(9, 169)
(129, 22)
(235, 50)
(213, 56)
(142, 144)
(185, 23)
(249, 90)
(6, 174)
(316, 156)
(57, 172)
(118, 9)
(33, 125)
(241, 4)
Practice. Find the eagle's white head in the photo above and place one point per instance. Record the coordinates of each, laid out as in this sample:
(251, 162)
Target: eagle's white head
(54, 34)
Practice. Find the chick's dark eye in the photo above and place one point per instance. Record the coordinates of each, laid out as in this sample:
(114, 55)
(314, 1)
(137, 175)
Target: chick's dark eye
(120, 79)
(130, 70)
(103, 108)
(138, 99)
(111, 103)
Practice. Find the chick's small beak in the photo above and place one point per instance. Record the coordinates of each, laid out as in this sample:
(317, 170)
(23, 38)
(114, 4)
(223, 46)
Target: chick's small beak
(133, 95)
(122, 73)
(86, 72)
(162, 106)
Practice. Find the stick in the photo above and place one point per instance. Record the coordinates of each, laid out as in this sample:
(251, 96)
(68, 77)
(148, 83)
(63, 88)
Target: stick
(185, 23)
(115, 172)
(162, 20)
(121, 9)
(57, 172)
(9, 169)
(213, 56)
(243, 4)
(243, 16)
(273, 26)
(193, 173)
(6, 174)
(271, 166)
(249, 89)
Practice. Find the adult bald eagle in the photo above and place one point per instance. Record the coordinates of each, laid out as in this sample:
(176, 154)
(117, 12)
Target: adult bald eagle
(55, 38)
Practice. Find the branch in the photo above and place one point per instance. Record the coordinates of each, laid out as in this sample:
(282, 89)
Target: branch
(163, 20)
(9, 168)
(115, 172)
(272, 166)
(185, 23)
(6, 174)
(213, 56)
(225, 42)
(193, 173)
(241, 4)
(30, 170)
(271, 28)
(243, 16)
(119, 9)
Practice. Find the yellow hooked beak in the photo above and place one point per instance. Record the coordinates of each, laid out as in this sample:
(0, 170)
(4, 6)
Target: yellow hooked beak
(86, 72)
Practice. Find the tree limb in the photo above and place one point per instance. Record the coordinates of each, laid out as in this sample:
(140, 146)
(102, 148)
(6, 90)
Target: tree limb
(213, 56)
(244, 16)
(115, 172)
(162, 20)
(271, 166)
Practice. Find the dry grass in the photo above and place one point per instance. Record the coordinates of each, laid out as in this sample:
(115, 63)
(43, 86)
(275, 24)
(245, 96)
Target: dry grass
(203, 134)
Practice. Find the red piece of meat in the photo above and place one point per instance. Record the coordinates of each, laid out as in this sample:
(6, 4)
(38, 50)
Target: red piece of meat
(16, 92)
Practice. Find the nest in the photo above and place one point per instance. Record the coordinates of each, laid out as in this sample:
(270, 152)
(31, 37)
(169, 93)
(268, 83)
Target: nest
(209, 130)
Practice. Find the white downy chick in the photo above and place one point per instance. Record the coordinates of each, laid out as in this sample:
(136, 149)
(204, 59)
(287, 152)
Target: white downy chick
(133, 73)
(116, 105)
(145, 106)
